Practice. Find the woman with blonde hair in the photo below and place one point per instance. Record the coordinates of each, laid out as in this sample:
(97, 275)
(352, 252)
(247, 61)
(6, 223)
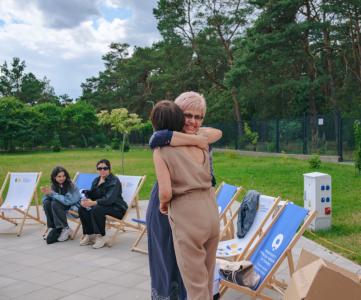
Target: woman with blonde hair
(166, 280)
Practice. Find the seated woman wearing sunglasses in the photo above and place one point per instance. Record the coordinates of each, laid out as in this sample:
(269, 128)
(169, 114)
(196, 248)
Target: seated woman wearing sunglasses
(104, 198)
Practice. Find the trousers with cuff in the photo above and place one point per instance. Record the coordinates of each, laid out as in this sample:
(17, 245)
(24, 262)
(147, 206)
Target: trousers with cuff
(93, 220)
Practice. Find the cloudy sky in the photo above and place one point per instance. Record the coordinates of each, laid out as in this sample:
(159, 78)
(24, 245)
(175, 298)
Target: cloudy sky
(64, 40)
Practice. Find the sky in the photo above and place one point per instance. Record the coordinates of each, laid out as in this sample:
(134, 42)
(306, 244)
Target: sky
(64, 40)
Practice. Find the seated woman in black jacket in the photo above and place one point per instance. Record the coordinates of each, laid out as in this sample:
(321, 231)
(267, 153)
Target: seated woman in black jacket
(104, 198)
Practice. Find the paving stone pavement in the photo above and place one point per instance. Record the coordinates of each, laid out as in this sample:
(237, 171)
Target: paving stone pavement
(31, 269)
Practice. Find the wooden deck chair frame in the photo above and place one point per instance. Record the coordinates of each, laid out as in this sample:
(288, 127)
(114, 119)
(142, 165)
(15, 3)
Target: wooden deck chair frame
(228, 210)
(25, 214)
(122, 224)
(258, 232)
(135, 247)
(269, 281)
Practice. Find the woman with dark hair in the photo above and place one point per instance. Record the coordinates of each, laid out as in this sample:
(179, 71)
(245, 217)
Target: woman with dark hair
(166, 281)
(187, 196)
(104, 198)
(57, 200)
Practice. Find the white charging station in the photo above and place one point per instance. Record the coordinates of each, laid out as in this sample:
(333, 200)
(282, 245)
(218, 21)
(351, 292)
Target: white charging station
(317, 196)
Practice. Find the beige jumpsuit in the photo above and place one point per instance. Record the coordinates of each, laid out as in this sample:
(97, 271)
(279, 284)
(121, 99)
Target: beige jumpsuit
(193, 217)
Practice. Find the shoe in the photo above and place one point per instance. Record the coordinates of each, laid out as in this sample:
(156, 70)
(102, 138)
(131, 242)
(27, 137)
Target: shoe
(85, 240)
(45, 235)
(100, 241)
(65, 234)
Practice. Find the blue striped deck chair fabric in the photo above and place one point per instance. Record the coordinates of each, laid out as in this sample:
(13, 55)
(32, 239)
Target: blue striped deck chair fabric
(15, 206)
(226, 195)
(274, 246)
(235, 246)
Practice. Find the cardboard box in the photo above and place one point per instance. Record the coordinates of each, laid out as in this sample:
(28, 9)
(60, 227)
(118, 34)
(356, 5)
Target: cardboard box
(317, 279)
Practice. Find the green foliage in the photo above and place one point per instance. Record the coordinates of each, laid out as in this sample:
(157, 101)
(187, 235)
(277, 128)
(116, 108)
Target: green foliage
(249, 136)
(315, 162)
(56, 145)
(115, 144)
(24, 86)
(357, 152)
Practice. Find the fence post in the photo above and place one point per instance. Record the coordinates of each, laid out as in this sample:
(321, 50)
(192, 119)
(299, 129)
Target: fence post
(339, 138)
(278, 136)
(304, 150)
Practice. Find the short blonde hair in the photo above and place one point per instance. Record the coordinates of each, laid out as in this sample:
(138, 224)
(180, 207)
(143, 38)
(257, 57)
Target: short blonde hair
(191, 101)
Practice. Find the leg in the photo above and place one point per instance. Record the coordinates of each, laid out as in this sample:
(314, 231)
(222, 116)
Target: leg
(59, 214)
(86, 220)
(49, 213)
(98, 213)
(211, 249)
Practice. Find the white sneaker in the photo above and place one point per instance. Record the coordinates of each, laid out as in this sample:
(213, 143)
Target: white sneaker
(45, 235)
(85, 240)
(64, 235)
(100, 241)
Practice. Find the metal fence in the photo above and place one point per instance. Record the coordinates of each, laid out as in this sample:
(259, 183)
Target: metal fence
(324, 135)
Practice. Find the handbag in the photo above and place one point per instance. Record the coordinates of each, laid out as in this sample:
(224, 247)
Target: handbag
(239, 272)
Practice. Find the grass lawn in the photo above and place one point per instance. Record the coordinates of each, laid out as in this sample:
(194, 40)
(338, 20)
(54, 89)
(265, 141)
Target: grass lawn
(273, 176)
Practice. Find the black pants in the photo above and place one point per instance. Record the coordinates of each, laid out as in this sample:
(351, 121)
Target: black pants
(93, 220)
(55, 213)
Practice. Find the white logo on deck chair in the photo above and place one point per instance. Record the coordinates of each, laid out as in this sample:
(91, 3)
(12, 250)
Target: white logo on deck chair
(277, 242)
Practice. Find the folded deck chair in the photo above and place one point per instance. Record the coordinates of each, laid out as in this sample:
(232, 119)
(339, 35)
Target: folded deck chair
(236, 246)
(226, 194)
(272, 249)
(21, 191)
(131, 186)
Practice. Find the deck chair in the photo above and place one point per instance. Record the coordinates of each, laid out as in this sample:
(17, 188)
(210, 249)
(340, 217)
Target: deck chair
(83, 181)
(226, 194)
(231, 248)
(273, 247)
(22, 190)
(131, 186)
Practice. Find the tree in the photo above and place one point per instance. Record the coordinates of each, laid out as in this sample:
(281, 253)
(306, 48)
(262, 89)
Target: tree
(79, 124)
(18, 123)
(11, 77)
(120, 121)
(31, 89)
(209, 27)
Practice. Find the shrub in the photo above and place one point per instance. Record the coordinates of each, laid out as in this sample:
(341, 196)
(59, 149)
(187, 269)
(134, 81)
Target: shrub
(315, 162)
(107, 148)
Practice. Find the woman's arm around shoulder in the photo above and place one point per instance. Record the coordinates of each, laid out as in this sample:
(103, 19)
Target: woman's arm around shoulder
(212, 134)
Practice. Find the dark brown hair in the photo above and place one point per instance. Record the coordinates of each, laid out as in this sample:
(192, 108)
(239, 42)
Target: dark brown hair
(167, 115)
(67, 186)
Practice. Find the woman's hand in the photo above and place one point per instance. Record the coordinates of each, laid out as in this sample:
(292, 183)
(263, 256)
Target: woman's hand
(45, 190)
(163, 208)
(87, 203)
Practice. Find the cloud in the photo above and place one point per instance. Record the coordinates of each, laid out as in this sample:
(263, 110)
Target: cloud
(65, 40)
(67, 13)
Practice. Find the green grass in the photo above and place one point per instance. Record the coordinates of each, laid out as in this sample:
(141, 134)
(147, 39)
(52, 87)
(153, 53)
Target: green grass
(268, 175)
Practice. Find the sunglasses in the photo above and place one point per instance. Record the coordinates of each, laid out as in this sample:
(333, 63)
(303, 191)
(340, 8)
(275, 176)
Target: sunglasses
(195, 117)
(103, 168)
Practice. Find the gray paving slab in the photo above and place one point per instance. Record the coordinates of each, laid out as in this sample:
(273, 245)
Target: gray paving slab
(31, 269)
